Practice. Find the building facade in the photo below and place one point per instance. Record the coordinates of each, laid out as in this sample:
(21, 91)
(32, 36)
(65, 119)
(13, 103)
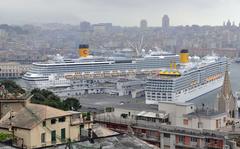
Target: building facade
(37, 126)
(171, 125)
(12, 70)
(165, 22)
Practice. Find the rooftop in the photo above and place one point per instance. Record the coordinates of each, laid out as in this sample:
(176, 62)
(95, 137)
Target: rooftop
(177, 103)
(205, 113)
(138, 107)
(116, 142)
(31, 115)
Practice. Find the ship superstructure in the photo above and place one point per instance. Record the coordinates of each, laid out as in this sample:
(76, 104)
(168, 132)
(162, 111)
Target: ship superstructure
(187, 80)
(57, 73)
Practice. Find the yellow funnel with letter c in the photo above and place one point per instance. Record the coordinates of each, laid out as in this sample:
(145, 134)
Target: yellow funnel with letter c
(83, 50)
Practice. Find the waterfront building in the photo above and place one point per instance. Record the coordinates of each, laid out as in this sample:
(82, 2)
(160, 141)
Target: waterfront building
(12, 70)
(118, 86)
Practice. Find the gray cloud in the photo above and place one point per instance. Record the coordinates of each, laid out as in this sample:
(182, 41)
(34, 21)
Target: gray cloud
(119, 12)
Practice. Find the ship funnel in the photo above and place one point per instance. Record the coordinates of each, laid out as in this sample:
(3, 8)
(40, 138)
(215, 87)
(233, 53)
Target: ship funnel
(83, 50)
(184, 56)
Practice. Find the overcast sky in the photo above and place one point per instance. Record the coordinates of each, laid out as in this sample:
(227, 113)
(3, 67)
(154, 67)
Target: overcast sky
(119, 12)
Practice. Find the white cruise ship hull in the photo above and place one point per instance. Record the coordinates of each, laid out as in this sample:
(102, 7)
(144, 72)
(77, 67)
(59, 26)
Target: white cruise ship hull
(200, 90)
(193, 93)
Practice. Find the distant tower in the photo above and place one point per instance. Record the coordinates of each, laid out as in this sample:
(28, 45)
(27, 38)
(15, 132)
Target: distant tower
(165, 22)
(229, 23)
(224, 24)
(226, 101)
(143, 24)
(85, 26)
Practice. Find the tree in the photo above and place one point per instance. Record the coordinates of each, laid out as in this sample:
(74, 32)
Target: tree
(46, 97)
(35, 90)
(38, 98)
(12, 87)
(71, 104)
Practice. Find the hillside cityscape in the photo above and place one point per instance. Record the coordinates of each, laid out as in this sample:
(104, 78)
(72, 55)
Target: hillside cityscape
(44, 39)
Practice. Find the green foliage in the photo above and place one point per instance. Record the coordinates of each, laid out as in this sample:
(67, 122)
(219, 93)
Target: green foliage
(86, 116)
(49, 98)
(4, 136)
(12, 87)
(71, 104)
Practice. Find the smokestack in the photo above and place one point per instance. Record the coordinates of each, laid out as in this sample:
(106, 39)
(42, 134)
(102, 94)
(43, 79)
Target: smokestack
(83, 50)
(184, 56)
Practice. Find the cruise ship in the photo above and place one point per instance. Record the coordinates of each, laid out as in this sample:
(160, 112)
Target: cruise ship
(58, 72)
(187, 80)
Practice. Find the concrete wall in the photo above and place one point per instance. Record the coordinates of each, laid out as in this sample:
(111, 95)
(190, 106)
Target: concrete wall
(119, 111)
(176, 111)
(75, 132)
(207, 122)
(25, 134)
